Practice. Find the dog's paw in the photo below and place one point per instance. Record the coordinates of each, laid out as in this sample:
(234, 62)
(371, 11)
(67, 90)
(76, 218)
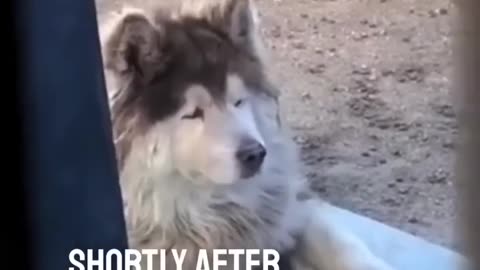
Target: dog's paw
(364, 261)
(283, 240)
(326, 245)
(338, 262)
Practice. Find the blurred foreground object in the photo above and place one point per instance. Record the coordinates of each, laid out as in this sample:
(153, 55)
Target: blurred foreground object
(468, 163)
(71, 183)
(401, 250)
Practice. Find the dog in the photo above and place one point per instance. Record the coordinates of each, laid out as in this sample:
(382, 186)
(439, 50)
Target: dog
(204, 158)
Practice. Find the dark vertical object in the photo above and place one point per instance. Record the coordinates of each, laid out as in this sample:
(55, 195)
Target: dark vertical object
(468, 169)
(71, 178)
(17, 227)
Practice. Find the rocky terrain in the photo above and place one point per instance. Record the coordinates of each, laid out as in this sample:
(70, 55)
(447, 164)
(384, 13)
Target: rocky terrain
(367, 91)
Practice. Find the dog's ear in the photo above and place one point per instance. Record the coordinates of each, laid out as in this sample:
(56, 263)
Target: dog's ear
(239, 22)
(237, 18)
(135, 46)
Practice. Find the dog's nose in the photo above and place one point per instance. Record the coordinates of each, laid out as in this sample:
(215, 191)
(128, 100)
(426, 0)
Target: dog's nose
(250, 156)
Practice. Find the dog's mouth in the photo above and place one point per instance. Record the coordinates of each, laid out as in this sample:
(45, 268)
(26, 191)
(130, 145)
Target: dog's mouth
(249, 172)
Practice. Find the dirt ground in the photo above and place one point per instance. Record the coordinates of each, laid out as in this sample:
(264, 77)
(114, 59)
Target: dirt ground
(367, 90)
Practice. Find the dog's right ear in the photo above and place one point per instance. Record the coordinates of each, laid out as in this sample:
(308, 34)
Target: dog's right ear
(237, 18)
(134, 46)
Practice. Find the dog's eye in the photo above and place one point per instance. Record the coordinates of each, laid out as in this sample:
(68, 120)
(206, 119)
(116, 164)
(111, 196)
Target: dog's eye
(238, 102)
(197, 113)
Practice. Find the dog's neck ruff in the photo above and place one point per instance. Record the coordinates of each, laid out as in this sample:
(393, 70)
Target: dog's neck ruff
(164, 209)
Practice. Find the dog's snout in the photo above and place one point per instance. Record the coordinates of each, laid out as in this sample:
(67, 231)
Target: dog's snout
(250, 155)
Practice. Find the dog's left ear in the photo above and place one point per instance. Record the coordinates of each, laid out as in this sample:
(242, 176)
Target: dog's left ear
(237, 18)
(134, 45)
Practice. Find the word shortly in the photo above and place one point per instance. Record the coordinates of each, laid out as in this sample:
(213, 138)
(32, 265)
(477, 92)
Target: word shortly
(132, 259)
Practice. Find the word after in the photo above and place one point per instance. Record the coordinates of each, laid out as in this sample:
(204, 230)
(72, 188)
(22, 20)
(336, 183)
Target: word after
(154, 259)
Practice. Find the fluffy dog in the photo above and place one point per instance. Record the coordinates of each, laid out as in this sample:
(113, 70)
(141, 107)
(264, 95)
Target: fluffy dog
(204, 159)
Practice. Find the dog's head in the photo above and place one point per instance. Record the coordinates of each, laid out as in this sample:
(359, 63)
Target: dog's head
(185, 95)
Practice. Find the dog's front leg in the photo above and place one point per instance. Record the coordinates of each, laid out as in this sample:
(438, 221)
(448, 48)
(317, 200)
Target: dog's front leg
(326, 246)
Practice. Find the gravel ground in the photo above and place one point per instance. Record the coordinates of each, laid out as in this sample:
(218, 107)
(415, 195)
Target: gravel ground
(367, 90)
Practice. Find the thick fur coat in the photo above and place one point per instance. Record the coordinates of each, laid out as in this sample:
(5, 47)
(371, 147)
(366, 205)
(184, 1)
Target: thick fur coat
(181, 184)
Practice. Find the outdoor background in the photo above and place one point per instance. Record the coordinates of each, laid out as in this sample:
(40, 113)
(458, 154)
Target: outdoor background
(367, 90)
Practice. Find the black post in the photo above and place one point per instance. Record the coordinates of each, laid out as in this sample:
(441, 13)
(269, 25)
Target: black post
(71, 181)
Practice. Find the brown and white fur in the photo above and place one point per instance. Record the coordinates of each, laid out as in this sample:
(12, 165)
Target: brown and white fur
(188, 93)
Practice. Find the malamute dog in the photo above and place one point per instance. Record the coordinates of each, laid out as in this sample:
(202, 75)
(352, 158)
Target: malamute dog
(204, 159)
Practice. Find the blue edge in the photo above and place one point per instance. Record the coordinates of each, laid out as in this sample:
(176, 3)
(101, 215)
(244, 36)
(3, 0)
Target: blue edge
(399, 249)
